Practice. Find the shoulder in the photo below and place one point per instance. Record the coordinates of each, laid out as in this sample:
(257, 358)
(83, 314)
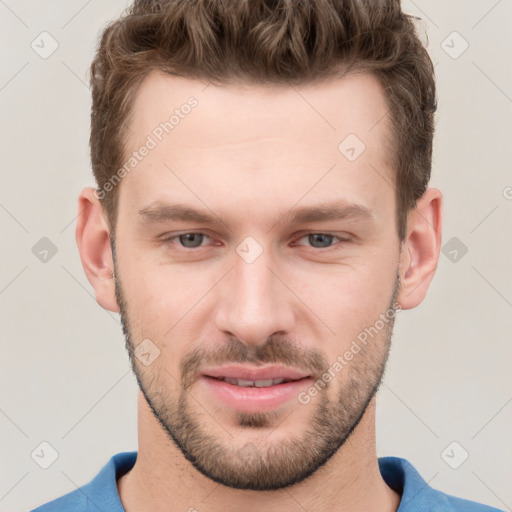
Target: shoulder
(75, 501)
(100, 493)
(418, 495)
(460, 504)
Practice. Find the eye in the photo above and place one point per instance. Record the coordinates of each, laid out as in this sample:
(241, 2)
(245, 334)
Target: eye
(194, 240)
(188, 240)
(322, 240)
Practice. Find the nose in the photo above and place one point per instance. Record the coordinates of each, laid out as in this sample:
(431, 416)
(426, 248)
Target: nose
(254, 302)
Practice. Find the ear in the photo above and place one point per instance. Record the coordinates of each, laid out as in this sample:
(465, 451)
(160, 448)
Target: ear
(420, 249)
(93, 240)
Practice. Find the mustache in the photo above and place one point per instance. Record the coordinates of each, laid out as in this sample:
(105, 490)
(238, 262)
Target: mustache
(285, 352)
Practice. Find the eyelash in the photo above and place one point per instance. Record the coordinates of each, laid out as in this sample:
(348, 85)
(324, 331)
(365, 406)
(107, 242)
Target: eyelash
(169, 240)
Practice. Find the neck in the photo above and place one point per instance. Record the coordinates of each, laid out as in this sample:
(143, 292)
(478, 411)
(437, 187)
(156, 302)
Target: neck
(350, 480)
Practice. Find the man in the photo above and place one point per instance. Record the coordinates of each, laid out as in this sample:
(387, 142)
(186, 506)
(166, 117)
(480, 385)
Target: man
(262, 213)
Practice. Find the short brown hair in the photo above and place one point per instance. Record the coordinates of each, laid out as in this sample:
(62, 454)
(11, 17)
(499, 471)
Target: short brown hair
(273, 42)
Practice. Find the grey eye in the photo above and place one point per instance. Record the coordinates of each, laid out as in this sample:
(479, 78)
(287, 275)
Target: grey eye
(191, 240)
(323, 239)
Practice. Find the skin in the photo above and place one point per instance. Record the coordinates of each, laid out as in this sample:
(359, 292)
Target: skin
(248, 154)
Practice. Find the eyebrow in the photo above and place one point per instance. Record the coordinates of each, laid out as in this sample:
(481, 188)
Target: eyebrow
(337, 210)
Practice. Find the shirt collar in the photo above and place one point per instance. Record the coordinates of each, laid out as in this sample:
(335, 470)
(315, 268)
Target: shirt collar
(398, 473)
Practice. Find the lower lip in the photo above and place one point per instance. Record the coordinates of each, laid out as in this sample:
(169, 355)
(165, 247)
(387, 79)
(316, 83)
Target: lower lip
(253, 399)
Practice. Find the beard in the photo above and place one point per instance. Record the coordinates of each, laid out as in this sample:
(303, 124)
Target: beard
(262, 465)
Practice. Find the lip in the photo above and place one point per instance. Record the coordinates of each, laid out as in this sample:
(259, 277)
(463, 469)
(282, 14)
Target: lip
(254, 372)
(253, 399)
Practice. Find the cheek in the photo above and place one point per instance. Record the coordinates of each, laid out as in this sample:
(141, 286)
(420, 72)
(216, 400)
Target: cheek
(349, 298)
(166, 299)
(163, 301)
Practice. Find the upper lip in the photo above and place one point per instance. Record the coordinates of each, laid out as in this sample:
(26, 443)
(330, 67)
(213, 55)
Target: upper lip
(255, 373)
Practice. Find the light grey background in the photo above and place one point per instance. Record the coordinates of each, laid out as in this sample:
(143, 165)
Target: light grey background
(64, 375)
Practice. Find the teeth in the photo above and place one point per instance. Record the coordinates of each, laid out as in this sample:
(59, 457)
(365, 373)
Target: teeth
(254, 383)
(264, 383)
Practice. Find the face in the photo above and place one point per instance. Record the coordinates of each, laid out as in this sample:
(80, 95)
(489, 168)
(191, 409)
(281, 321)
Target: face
(250, 247)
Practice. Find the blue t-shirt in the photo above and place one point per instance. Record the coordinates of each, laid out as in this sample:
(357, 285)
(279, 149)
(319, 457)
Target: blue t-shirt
(417, 496)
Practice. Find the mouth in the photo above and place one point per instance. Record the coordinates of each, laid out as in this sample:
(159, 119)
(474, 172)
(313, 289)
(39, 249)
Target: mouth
(264, 383)
(254, 389)
(244, 375)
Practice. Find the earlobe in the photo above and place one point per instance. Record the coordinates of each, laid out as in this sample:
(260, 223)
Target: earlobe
(93, 240)
(420, 249)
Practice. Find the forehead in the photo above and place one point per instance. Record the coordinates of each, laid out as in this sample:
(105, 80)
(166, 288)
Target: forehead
(353, 103)
(259, 141)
